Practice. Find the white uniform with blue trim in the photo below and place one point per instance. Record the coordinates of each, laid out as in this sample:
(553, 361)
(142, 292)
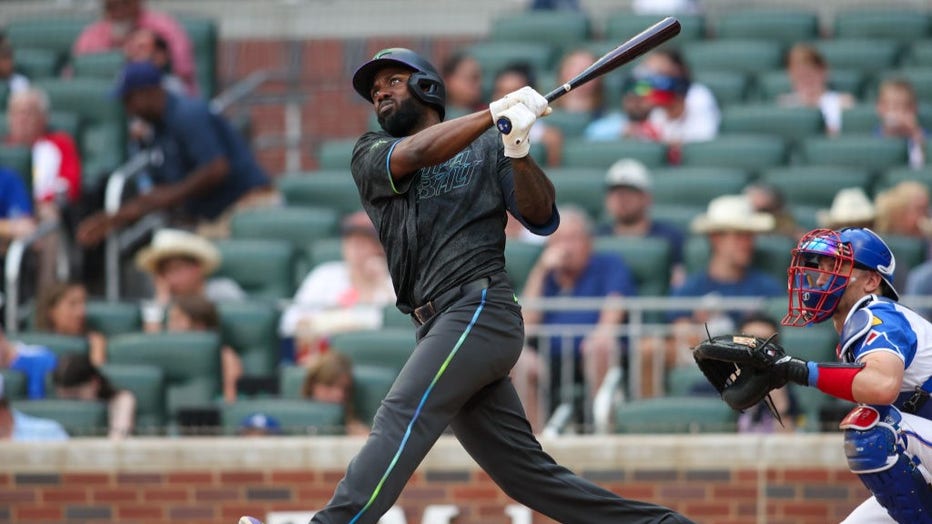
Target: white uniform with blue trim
(878, 324)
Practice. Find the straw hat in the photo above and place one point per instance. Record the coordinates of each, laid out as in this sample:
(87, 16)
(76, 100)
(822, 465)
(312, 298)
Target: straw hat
(168, 243)
(732, 213)
(851, 206)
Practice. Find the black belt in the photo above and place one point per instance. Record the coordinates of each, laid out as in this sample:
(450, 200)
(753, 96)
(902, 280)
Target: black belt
(426, 312)
(915, 402)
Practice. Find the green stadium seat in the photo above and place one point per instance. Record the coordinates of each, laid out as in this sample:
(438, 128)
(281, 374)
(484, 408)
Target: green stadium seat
(622, 25)
(678, 215)
(80, 418)
(583, 187)
(806, 217)
(18, 159)
(772, 84)
(861, 151)
(919, 77)
(4, 93)
(14, 384)
(189, 360)
(336, 153)
(54, 34)
(370, 385)
(894, 176)
(648, 258)
(728, 87)
(601, 155)
(392, 317)
(562, 29)
(520, 257)
(696, 186)
(291, 381)
(868, 55)
(738, 55)
(334, 189)
(147, 383)
(860, 120)
(749, 152)
(251, 329)
(59, 344)
(675, 415)
(297, 417)
(781, 25)
(325, 250)
(113, 318)
(98, 65)
(789, 123)
(203, 33)
(816, 343)
(919, 54)
(683, 379)
(37, 63)
(265, 269)
(572, 125)
(771, 254)
(909, 252)
(494, 56)
(815, 185)
(389, 348)
(898, 24)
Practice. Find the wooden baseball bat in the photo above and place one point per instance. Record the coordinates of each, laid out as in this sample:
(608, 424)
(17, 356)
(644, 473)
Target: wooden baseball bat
(634, 47)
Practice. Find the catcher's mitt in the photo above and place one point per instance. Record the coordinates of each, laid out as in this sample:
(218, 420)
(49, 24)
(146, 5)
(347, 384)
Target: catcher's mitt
(741, 367)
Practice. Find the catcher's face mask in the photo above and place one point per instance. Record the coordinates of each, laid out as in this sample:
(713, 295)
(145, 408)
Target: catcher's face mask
(818, 276)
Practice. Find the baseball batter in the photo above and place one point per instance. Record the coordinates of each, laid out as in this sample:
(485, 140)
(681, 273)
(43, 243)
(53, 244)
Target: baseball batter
(438, 193)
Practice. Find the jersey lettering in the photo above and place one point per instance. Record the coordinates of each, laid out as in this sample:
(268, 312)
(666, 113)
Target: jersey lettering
(443, 178)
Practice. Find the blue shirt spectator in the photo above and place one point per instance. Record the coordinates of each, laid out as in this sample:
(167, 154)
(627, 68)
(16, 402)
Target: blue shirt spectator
(27, 428)
(15, 201)
(754, 283)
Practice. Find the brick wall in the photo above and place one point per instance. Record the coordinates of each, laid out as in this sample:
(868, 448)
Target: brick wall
(719, 480)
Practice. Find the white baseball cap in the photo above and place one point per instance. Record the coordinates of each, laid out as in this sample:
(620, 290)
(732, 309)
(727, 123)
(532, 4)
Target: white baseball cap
(628, 172)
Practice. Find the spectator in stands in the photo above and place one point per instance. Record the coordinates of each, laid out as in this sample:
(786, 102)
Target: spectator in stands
(35, 362)
(898, 111)
(904, 210)
(61, 308)
(330, 379)
(851, 207)
(627, 205)
(513, 77)
(550, 5)
(180, 263)
(586, 98)
(121, 18)
(77, 378)
(343, 295)
(462, 77)
(208, 170)
(14, 81)
(767, 198)
(145, 45)
(197, 313)
(632, 121)
(808, 72)
(568, 267)
(259, 425)
(16, 217)
(56, 164)
(17, 426)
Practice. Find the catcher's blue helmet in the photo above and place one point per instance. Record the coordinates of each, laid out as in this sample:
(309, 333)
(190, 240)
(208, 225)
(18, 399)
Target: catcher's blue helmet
(425, 83)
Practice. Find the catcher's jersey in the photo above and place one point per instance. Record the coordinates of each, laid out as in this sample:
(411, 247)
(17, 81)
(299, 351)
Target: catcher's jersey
(879, 324)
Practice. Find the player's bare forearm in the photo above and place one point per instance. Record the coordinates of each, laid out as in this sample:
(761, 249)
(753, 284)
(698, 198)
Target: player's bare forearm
(437, 143)
(534, 192)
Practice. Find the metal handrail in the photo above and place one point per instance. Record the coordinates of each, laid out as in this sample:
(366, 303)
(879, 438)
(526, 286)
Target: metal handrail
(13, 264)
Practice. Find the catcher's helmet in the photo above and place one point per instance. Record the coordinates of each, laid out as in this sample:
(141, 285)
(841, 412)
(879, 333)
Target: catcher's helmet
(811, 302)
(425, 83)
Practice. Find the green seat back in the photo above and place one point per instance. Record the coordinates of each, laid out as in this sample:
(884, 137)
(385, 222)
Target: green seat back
(61, 345)
(69, 123)
(815, 185)
(14, 384)
(675, 415)
(389, 348)
(678, 215)
(251, 329)
(860, 120)
(37, 63)
(291, 381)
(648, 258)
(572, 125)
(816, 343)
(772, 84)
(54, 34)
(868, 55)
(203, 33)
(898, 24)
(861, 151)
(622, 25)
(782, 25)
(297, 417)
(336, 154)
(105, 65)
(325, 250)
(520, 257)
(919, 77)
(370, 385)
(80, 418)
(895, 175)
(563, 29)
(771, 254)
(683, 379)
(750, 152)
(18, 159)
(580, 186)
(334, 189)
(495, 56)
(392, 317)
(728, 87)
(601, 155)
(740, 55)
(789, 123)
(147, 383)
(189, 360)
(919, 54)
(265, 269)
(909, 252)
(696, 186)
(113, 318)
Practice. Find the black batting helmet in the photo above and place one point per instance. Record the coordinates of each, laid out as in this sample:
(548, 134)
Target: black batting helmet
(425, 83)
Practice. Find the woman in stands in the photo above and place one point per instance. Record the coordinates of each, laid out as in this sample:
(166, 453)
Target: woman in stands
(62, 309)
(75, 377)
(330, 379)
(808, 72)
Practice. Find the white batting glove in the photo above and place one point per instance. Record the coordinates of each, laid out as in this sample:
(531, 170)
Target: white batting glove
(516, 143)
(527, 96)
